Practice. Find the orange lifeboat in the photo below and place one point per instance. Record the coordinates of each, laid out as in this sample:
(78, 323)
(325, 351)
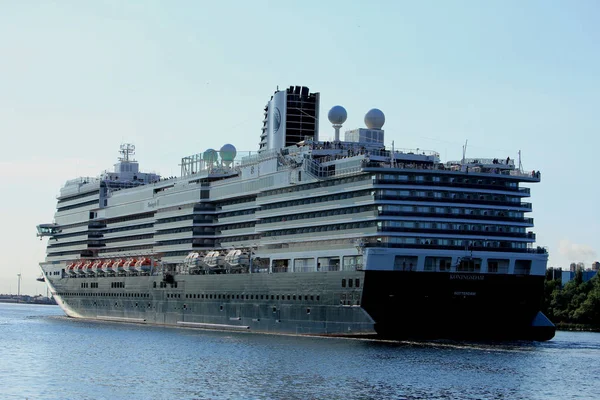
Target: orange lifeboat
(105, 265)
(71, 268)
(143, 264)
(118, 265)
(96, 266)
(87, 267)
(130, 264)
(112, 267)
(79, 267)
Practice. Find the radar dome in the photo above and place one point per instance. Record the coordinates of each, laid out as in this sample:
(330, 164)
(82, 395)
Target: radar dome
(337, 115)
(374, 119)
(210, 156)
(228, 152)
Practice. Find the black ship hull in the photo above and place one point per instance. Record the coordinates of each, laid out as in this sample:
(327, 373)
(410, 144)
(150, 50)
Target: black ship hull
(459, 306)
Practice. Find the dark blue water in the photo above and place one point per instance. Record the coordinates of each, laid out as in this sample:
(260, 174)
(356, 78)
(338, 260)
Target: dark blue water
(44, 355)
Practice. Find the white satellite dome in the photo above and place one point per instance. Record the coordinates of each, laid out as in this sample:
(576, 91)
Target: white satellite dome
(374, 119)
(228, 152)
(210, 156)
(337, 115)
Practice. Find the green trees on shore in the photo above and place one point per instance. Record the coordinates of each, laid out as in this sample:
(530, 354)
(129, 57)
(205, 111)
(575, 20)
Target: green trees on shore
(576, 303)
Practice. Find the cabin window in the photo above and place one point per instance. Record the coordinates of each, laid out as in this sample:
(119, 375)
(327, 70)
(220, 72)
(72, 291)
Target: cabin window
(343, 283)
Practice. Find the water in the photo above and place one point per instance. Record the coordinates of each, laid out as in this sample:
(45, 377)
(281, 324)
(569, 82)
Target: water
(44, 355)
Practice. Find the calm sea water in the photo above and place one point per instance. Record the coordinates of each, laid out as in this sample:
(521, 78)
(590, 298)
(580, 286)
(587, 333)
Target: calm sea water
(44, 355)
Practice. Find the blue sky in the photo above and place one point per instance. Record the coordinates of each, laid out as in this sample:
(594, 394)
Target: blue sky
(77, 79)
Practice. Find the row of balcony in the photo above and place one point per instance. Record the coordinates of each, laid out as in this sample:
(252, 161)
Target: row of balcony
(526, 235)
(520, 205)
(478, 186)
(473, 247)
(524, 220)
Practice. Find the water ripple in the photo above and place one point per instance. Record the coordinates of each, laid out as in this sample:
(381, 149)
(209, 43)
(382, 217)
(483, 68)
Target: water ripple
(48, 356)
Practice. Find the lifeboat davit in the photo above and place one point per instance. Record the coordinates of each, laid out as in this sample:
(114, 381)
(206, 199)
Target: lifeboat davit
(143, 264)
(118, 266)
(112, 267)
(235, 258)
(78, 268)
(191, 260)
(87, 267)
(96, 266)
(129, 265)
(71, 268)
(105, 265)
(211, 259)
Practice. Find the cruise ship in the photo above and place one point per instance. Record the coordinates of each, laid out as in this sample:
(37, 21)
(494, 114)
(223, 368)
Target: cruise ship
(305, 236)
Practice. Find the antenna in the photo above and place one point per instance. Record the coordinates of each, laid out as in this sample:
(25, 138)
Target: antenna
(520, 165)
(127, 149)
(19, 285)
(464, 151)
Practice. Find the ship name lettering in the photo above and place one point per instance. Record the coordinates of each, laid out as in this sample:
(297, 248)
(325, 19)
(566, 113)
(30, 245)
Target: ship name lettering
(467, 277)
(152, 204)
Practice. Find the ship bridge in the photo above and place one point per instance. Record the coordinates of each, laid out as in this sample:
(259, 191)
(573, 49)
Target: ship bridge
(47, 230)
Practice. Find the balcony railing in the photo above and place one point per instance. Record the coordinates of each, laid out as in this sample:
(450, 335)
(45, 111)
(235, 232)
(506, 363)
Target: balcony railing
(425, 182)
(527, 235)
(456, 216)
(417, 199)
(531, 250)
(534, 176)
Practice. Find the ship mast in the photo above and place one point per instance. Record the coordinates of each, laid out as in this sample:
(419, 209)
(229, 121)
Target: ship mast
(127, 149)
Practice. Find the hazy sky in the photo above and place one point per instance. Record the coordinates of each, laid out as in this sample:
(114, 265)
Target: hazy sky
(78, 78)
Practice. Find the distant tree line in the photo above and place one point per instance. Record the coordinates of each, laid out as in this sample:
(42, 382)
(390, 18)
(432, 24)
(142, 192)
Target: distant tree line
(576, 305)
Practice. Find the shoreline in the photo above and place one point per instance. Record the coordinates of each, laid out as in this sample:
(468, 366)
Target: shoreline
(570, 327)
(21, 301)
